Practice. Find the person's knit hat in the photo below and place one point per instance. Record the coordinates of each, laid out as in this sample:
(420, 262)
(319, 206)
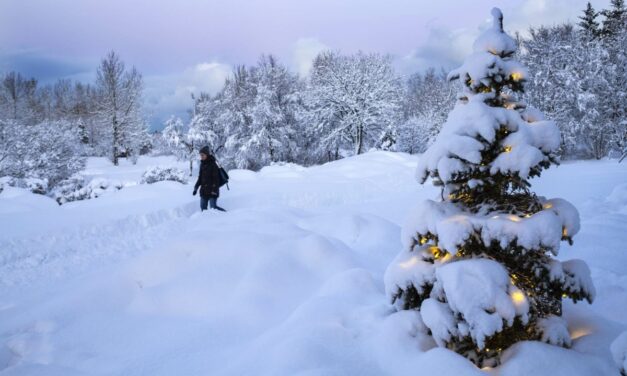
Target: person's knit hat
(205, 150)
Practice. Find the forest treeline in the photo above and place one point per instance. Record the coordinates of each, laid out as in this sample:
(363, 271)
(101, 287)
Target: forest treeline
(347, 105)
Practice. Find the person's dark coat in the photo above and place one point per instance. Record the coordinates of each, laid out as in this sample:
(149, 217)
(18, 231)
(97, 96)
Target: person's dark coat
(208, 178)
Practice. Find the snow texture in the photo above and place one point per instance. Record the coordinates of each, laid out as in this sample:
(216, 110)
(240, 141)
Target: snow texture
(619, 352)
(554, 331)
(289, 281)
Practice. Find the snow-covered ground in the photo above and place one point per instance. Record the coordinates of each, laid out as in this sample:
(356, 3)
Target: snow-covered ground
(288, 282)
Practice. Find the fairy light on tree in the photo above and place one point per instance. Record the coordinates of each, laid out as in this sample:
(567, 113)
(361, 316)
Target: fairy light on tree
(486, 250)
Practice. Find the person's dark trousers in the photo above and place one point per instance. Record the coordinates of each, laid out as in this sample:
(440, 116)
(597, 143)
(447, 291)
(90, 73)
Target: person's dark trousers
(203, 203)
(213, 203)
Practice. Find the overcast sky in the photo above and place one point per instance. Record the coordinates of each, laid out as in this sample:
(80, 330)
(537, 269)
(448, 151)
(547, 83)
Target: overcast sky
(187, 46)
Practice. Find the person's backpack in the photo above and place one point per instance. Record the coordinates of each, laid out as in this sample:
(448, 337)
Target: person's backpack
(224, 177)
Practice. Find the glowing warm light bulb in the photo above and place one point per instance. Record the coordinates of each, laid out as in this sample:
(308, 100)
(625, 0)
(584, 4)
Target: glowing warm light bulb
(564, 232)
(507, 148)
(548, 205)
(516, 76)
(518, 297)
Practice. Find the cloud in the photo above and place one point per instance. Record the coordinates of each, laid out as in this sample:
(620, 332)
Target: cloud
(45, 68)
(167, 95)
(304, 52)
(442, 48)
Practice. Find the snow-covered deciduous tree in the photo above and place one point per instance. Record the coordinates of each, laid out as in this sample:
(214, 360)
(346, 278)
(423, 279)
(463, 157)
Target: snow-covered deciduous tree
(273, 126)
(579, 79)
(17, 98)
(177, 137)
(351, 101)
(236, 99)
(430, 97)
(479, 263)
(204, 128)
(252, 121)
(119, 107)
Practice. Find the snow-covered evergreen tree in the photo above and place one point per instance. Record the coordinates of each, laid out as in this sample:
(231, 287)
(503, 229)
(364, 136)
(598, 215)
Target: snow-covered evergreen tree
(615, 19)
(613, 106)
(589, 23)
(479, 263)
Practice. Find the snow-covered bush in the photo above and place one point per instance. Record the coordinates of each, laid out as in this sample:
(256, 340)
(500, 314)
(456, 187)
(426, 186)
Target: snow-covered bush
(49, 151)
(76, 188)
(619, 352)
(38, 186)
(478, 264)
(157, 173)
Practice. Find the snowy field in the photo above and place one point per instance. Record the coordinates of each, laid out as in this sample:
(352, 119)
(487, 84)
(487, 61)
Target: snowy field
(288, 282)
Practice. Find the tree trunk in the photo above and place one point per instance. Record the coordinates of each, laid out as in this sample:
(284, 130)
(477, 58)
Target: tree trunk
(360, 139)
(116, 136)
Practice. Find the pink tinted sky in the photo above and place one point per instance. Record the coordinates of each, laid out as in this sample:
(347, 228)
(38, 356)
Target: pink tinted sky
(186, 46)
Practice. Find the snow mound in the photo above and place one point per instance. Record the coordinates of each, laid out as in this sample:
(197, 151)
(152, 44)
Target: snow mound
(619, 352)
(157, 173)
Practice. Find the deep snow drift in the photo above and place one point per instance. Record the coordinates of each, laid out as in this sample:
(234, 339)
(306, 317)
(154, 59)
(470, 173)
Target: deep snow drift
(289, 281)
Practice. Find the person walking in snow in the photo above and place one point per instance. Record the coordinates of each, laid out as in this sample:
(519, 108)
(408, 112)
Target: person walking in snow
(208, 181)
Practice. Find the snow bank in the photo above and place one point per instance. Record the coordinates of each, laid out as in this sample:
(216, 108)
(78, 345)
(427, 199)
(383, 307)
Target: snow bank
(289, 281)
(619, 352)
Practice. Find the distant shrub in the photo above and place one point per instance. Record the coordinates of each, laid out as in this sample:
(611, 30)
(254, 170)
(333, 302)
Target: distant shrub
(157, 173)
(35, 185)
(75, 189)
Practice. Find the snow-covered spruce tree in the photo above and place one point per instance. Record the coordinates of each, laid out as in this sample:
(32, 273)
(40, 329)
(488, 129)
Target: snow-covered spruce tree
(478, 264)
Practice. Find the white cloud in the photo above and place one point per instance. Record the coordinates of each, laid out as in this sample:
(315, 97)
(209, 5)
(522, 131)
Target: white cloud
(443, 48)
(304, 52)
(172, 94)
